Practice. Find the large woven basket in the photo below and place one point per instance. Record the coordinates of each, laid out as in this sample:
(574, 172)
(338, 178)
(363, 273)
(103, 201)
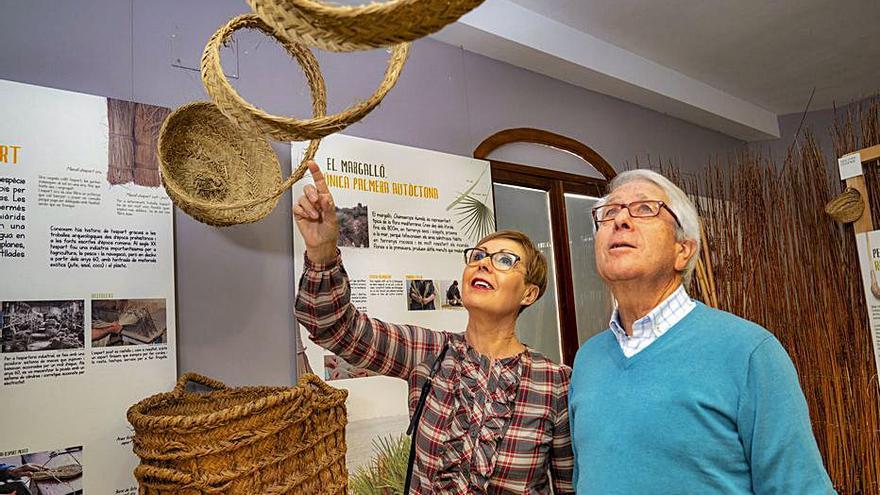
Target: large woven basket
(246, 440)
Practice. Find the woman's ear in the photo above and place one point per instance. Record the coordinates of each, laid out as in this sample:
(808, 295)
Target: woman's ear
(530, 295)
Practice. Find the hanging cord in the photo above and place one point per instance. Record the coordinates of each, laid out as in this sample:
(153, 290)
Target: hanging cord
(412, 429)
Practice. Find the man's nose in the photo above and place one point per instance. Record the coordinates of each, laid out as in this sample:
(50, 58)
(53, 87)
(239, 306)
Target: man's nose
(623, 220)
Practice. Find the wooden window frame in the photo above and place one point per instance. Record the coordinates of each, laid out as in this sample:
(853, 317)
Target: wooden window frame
(556, 184)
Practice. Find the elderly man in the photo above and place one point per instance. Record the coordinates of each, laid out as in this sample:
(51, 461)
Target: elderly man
(676, 397)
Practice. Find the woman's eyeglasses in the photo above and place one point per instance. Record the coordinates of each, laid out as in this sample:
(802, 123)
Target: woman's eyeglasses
(501, 260)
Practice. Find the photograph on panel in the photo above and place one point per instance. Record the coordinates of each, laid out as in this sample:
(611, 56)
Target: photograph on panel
(354, 226)
(336, 368)
(43, 473)
(421, 294)
(118, 322)
(451, 291)
(42, 325)
(133, 136)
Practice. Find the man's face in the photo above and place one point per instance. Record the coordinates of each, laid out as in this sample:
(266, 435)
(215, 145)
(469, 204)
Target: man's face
(639, 249)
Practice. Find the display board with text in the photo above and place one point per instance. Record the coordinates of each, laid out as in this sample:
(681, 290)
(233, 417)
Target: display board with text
(87, 296)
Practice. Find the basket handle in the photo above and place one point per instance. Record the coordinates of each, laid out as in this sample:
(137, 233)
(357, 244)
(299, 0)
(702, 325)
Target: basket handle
(197, 378)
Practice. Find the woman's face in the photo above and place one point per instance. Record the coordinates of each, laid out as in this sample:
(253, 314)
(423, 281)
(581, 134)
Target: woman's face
(487, 289)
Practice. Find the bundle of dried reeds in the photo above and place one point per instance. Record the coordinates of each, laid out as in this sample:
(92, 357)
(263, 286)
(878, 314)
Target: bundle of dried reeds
(857, 127)
(120, 119)
(147, 122)
(780, 261)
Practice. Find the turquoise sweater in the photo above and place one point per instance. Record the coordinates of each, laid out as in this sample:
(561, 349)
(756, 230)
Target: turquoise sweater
(713, 406)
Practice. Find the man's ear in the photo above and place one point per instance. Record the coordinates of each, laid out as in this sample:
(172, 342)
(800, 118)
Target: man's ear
(685, 250)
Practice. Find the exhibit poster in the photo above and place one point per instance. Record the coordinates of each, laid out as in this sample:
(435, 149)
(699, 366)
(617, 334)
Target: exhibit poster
(869, 258)
(405, 217)
(87, 296)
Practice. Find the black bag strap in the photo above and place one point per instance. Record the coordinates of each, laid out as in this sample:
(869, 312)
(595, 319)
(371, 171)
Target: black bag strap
(413, 427)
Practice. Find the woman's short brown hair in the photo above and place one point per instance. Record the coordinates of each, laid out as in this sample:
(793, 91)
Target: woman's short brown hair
(535, 262)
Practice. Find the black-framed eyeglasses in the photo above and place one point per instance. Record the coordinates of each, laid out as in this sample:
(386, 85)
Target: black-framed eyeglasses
(501, 260)
(637, 209)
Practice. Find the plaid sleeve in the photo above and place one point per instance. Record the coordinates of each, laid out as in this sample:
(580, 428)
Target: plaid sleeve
(323, 307)
(561, 456)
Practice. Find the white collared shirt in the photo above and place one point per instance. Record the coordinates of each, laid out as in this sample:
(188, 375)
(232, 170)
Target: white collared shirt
(654, 324)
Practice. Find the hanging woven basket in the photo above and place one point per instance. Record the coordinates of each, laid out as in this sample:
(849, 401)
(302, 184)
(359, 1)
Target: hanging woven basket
(846, 207)
(245, 440)
(258, 121)
(362, 27)
(213, 171)
(220, 173)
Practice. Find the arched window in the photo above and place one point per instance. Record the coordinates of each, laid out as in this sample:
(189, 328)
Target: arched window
(548, 195)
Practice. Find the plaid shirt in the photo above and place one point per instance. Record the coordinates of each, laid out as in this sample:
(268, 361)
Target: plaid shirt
(650, 327)
(487, 428)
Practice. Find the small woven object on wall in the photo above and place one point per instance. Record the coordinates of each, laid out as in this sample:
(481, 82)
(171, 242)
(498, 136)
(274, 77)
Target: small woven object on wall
(361, 27)
(242, 441)
(846, 207)
(120, 162)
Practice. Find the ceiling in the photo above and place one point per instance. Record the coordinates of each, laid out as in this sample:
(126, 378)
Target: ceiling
(734, 66)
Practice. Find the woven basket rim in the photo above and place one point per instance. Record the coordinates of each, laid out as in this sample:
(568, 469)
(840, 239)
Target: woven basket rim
(138, 414)
(345, 28)
(258, 121)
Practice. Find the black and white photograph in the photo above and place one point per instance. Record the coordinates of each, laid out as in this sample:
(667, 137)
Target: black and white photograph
(354, 226)
(51, 472)
(421, 295)
(42, 325)
(118, 322)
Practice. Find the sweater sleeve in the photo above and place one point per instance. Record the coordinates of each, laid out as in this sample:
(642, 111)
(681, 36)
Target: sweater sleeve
(774, 427)
(323, 307)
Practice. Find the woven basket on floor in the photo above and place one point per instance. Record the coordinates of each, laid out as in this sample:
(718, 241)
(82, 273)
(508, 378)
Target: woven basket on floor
(258, 121)
(245, 440)
(361, 27)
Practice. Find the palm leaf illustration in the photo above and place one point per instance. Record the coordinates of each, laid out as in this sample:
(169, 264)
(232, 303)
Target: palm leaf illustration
(467, 193)
(475, 217)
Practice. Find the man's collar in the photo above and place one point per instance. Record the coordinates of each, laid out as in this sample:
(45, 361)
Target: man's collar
(678, 295)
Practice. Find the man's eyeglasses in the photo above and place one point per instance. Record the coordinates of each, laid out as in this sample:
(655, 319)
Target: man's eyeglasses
(636, 209)
(501, 260)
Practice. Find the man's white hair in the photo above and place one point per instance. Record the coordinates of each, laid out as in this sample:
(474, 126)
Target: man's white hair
(679, 203)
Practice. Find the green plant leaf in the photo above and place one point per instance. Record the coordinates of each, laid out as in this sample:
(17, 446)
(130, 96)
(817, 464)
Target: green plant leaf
(386, 472)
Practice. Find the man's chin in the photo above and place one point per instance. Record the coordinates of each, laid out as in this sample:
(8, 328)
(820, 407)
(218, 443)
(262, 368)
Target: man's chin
(620, 276)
